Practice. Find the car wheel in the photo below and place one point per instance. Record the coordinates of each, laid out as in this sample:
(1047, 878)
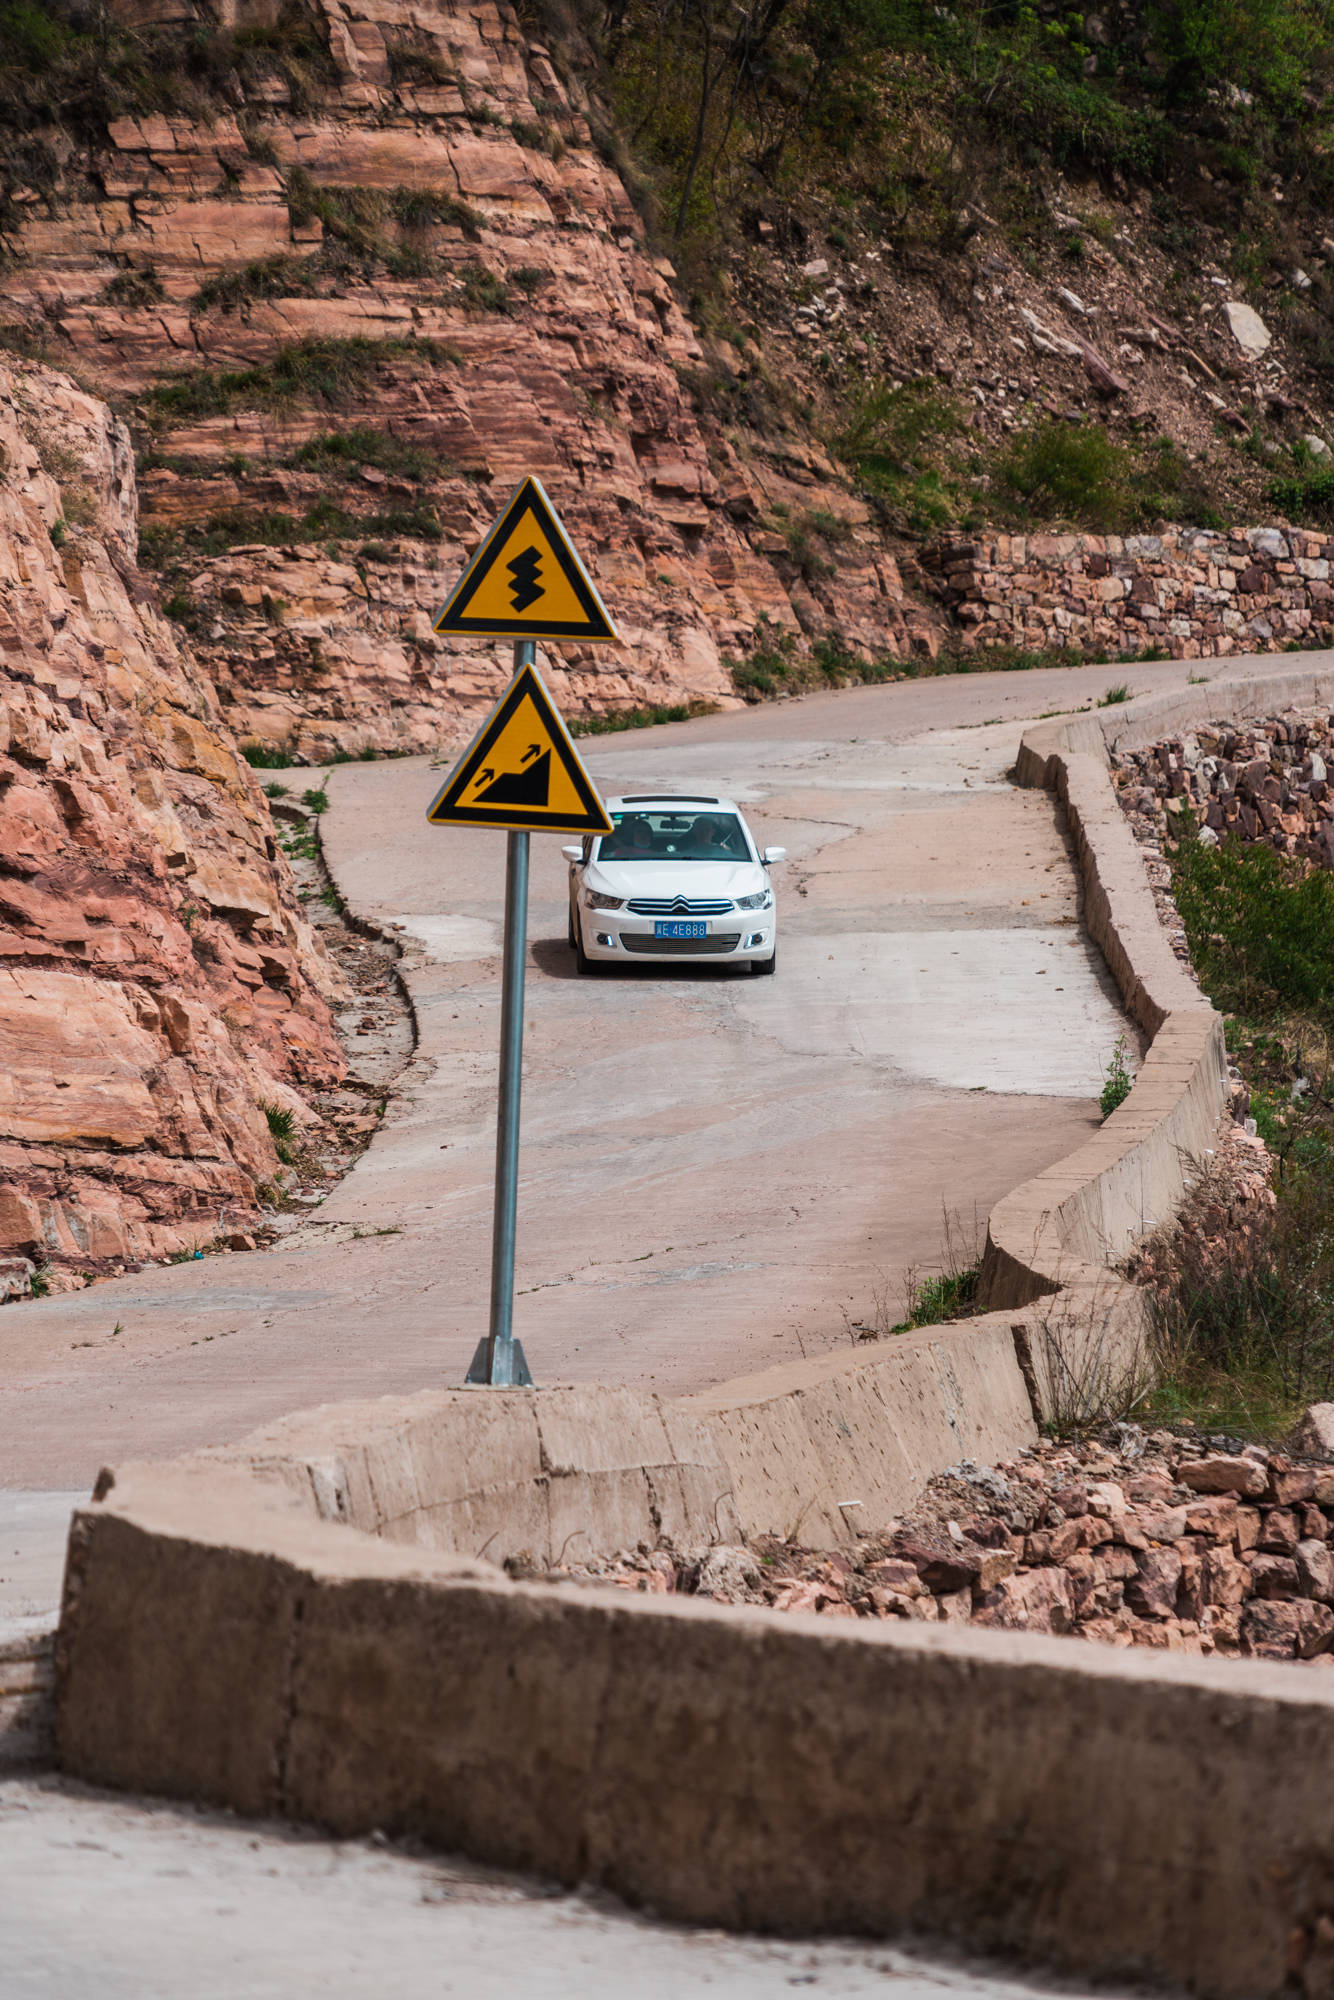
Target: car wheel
(764, 965)
(582, 962)
(571, 935)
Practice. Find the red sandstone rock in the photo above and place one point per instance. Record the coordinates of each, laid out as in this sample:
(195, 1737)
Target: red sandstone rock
(1041, 1600)
(1224, 1475)
(1152, 1591)
(1284, 1631)
(1274, 1576)
(162, 982)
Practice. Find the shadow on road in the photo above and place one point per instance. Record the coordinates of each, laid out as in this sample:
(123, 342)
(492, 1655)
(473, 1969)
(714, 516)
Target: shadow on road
(554, 957)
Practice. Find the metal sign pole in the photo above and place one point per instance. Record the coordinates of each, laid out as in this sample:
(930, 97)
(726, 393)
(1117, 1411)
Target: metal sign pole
(499, 1359)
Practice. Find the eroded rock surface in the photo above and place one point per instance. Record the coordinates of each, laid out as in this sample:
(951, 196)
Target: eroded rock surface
(160, 983)
(433, 250)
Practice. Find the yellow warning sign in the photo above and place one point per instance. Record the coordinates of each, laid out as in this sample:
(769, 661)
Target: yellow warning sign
(526, 582)
(521, 771)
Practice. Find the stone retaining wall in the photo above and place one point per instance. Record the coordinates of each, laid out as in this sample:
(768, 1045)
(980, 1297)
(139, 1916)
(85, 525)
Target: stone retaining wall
(1188, 592)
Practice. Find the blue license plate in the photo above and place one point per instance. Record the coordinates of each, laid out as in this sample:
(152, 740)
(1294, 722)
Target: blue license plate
(680, 930)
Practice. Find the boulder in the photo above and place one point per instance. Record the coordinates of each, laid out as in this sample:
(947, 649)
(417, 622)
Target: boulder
(1247, 328)
(1224, 1475)
(1313, 1432)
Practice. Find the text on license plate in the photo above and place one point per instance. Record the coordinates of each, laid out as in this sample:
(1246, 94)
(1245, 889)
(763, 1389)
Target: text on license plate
(680, 930)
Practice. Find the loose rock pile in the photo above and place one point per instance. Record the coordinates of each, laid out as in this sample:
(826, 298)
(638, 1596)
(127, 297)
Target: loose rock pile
(1187, 592)
(1263, 780)
(1162, 1541)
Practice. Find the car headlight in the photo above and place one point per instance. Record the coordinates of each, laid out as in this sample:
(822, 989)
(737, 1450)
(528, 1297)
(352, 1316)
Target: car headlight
(594, 901)
(764, 901)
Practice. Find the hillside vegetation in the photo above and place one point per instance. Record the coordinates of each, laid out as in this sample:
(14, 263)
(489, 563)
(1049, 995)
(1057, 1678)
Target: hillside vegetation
(946, 163)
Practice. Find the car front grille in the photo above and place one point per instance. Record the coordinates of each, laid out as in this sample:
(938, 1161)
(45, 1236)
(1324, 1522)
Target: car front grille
(677, 906)
(657, 947)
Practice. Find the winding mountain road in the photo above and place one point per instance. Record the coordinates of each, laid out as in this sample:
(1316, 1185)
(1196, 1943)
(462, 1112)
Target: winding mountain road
(718, 1172)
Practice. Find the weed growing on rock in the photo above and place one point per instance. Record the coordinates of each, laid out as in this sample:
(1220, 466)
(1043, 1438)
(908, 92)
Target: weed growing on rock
(268, 756)
(282, 1130)
(308, 371)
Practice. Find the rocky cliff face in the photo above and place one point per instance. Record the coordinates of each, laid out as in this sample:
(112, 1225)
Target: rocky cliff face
(350, 298)
(160, 985)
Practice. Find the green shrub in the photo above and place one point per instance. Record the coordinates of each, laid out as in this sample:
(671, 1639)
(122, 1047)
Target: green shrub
(337, 451)
(1117, 1085)
(1243, 1326)
(267, 278)
(135, 288)
(267, 756)
(895, 440)
(948, 1295)
(1073, 471)
(1260, 927)
(1306, 497)
(308, 371)
(638, 718)
(282, 1130)
(483, 291)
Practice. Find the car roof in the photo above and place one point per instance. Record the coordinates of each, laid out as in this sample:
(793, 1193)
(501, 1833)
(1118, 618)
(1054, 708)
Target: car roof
(651, 801)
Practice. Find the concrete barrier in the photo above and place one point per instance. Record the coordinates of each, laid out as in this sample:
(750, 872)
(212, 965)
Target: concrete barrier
(1059, 1237)
(1114, 1815)
(824, 1449)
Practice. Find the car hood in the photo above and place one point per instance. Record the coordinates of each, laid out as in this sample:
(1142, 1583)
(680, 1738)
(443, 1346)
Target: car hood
(693, 879)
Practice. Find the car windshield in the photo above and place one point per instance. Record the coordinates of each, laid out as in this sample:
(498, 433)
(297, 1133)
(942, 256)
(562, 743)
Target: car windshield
(675, 836)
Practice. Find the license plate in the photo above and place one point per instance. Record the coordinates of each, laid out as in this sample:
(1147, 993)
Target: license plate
(680, 930)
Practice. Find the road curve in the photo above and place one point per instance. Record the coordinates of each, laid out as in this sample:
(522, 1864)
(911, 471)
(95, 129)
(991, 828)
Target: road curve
(718, 1173)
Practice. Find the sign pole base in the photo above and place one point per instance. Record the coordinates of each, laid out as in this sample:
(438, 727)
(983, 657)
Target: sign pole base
(480, 1372)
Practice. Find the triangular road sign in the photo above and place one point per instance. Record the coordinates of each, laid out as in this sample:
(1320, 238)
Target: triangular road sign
(526, 582)
(521, 771)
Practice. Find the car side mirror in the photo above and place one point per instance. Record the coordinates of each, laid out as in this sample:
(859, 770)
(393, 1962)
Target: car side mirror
(773, 854)
(573, 853)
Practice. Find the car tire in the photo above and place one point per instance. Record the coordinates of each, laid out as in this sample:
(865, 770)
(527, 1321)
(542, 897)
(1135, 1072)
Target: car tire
(761, 966)
(582, 962)
(571, 938)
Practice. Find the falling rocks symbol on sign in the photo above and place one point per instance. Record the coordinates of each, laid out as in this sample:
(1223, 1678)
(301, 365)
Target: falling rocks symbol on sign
(520, 788)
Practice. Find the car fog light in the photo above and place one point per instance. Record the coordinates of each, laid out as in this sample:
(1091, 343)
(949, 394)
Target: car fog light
(606, 940)
(756, 937)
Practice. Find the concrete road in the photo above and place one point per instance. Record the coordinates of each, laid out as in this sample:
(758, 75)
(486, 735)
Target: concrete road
(139, 1900)
(718, 1172)
(715, 1172)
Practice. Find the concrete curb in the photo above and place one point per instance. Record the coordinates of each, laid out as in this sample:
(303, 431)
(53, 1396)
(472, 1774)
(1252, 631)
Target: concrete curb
(1057, 1237)
(1055, 1801)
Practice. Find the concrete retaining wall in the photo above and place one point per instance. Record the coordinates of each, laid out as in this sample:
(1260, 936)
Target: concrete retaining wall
(824, 1449)
(1114, 1815)
(1055, 1237)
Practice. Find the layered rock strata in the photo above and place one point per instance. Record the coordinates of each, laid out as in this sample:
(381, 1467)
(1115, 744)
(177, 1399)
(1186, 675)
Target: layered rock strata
(431, 263)
(1187, 593)
(161, 985)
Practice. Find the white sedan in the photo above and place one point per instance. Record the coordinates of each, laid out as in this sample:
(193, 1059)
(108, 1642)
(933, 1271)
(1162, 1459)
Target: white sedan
(680, 877)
